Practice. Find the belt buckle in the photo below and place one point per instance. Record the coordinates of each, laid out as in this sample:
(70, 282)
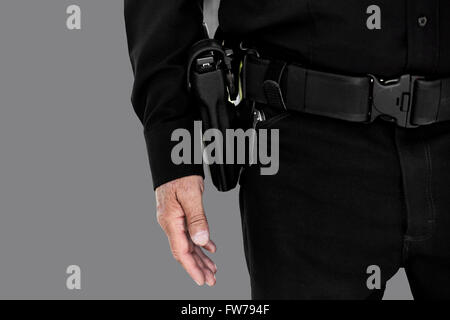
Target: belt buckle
(392, 100)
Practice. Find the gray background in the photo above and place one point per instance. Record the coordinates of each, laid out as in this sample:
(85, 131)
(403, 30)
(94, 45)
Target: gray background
(74, 180)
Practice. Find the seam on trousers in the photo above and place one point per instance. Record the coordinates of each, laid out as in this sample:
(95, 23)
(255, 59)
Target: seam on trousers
(405, 204)
(428, 196)
(245, 231)
(432, 219)
(405, 251)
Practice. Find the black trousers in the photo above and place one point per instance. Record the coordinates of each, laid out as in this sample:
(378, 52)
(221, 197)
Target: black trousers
(348, 196)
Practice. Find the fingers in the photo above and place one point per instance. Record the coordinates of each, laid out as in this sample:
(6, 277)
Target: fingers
(197, 224)
(182, 250)
(210, 246)
(210, 278)
(199, 267)
(190, 263)
(206, 260)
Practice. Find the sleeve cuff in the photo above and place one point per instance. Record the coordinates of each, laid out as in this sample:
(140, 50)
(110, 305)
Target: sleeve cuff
(159, 147)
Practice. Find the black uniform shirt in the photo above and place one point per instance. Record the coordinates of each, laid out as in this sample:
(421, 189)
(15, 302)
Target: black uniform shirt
(382, 37)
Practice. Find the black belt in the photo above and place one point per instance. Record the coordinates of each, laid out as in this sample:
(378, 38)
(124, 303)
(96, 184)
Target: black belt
(410, 101)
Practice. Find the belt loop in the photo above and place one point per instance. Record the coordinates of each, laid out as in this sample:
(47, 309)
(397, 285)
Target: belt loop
(246, 53)
(244, 77)
(272, 84)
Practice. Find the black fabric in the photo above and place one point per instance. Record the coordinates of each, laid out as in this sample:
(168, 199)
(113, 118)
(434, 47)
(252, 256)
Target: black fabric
(159, 147)
(348, 196)
(160, 34)
(328, 35)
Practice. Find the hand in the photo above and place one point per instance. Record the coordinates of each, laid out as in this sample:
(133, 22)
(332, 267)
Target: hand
(180, 213)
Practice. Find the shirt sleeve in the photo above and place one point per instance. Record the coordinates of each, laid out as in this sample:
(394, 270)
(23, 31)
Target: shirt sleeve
(160, 34)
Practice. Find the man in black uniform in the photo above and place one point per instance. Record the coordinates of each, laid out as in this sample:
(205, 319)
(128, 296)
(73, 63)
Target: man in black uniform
(364, 162)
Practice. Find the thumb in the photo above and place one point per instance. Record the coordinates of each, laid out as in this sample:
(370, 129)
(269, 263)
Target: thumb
(196, 221)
